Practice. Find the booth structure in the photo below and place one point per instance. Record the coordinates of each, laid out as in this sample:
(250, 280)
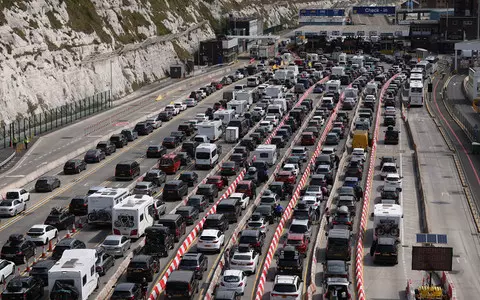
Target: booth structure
(470, 47)
(473, 83)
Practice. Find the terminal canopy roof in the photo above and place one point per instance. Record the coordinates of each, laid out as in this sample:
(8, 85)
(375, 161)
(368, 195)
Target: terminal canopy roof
(468, 45)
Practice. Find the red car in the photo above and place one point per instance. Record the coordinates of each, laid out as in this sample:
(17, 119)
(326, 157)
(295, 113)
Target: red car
(217, 85)
(286, 176)
(216, 180)
(248, 188)
(308, 139)
(299, 241)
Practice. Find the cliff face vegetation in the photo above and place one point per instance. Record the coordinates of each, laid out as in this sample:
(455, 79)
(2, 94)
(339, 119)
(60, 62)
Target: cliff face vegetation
(56, 51)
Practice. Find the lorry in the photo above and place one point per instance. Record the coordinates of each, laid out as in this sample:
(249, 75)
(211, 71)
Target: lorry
(239, 106)
(266, 51)
(132, 217)
(73, 276)
(246, 95)
(212, 129)
(274, 91)
(386, 220)
(231, 134)
(100, 204)
(225, 115)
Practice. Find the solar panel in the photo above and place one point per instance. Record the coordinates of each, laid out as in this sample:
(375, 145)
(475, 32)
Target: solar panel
(431, 238)
(442, 238)
(421, 238)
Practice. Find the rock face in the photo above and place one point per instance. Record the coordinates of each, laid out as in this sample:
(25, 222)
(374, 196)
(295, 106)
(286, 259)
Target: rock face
(56, 51)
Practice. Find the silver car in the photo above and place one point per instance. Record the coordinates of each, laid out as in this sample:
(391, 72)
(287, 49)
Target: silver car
(145, 188)
(12, 207)
(116, 245)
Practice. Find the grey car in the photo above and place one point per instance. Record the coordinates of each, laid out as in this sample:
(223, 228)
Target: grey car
(116, 245)
(130, 134)
(145, 188)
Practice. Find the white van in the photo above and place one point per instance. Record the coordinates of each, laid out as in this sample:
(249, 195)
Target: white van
(239, 87)
(100, 204)
(130, 218)
(207, 155)
(75, 270)
(266, 153)
(252, 81)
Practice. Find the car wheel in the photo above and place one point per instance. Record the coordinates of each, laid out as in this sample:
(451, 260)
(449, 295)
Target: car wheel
(46, 241)
(2, 280)
(15, 213)
(28, 198)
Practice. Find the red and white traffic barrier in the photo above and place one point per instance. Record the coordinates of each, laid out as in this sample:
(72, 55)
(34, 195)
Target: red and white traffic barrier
(366, 200)
(448, 286)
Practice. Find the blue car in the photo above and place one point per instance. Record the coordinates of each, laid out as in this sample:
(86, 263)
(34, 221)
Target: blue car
(318, 89)
(351, 181)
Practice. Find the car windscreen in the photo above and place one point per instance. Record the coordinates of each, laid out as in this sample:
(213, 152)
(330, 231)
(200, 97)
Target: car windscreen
(123, 167)
(137, 265)
(389, 169)
(225, 208)
(111, 242)
(12, 195)
(298, 228)
(284, 288)
(247, 239)
(385, 248)
(202, 155)
(6, 203)
(230, 278)
(188, 262)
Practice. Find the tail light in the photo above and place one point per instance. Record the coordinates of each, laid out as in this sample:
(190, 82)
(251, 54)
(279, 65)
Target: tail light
(189, 287)
(99, 269)
(215, 241)
(377, 253)
(240, 284)
(197, 269)
(133, 232)
(177, 231)
(131, 298)
(19, 253)
(116, 232)
(85, 205)
(250, 263)
(222, 284)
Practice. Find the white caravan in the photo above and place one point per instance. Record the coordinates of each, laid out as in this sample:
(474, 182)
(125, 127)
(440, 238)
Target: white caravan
(100, 204)
(130, 218)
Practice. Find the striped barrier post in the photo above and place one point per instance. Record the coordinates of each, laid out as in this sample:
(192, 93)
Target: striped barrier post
(366, 202)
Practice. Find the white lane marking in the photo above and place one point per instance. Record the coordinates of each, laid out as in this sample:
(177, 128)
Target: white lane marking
(402, 225)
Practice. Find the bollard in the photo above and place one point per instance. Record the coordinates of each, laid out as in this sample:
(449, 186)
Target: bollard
(80, 224)
(50, 246)
(44, 253)
(73, 228)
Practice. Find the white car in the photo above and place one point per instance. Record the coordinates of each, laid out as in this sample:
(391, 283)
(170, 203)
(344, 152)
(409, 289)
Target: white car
(258, 111)
(42, 233)
(203, 93)
(287, 287)
(393, 180)
(311, 200)
(211, 240)
(258, 222)
(239, 75)
(370, 97)
(190, 102)
(194, 122)
(314, 191)
(201, 117)
(171, 108)
(320, 119)
(180, 106)
(269, 198)
(388, 168)
(292, 168)
(7, 268)
(244, 199)
(272, 119)
(246, 261)
(389, 111)
(156, 123)
(12, 207)
(329, 150)
(21, 194)
(233, 280)
(359, 152)
(267, 125)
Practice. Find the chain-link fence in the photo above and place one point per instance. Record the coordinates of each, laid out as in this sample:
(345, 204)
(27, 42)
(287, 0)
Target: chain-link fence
(37, 124)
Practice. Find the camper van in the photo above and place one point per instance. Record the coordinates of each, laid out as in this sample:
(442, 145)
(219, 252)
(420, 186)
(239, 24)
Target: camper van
(246, 95)
(74, 273)
(342, 59)
(371, 89)
(358, 60)
(100, 204)
(338, 71)
(280, 75)
(266, 153)
(131, 217)
(225, 115)
(333, 86)
(275, 109)
(239, 106)
(211, 129)
(207, 155)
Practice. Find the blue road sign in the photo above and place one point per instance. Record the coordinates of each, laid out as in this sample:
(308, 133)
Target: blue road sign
(321, 12)
(374, 10)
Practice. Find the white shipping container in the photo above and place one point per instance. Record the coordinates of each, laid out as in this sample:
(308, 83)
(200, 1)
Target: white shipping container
(231, 135)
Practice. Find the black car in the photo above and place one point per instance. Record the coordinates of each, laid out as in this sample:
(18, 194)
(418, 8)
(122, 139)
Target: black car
(156, 176)
(191, 178)
(266, 211)
(94, 155)
(66, 244)
(189, 213)
(165, 116)
(186, 128)
(78, 206)
(170, 142)
(335, 268)
(229, 168)
(249, 143)
(389, 121)
(185, 159)
(23, 287)
(189, 147)
(196, 262)
(18, 249)
(290, 261)
(180, 135)
(156, 151)
(74, 166)
(107, 147)
(240, 159)
(47, 184)
(210, 191)
(143, 128)
(142, 266)
(254, 238)
(200, 202)
(40, 270)
(119, 140)
(104, 261)
(127, 291)
(60, 218)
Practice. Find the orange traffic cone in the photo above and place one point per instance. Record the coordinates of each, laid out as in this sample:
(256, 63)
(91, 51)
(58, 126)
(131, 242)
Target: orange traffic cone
(28, 269)
(80, 224)
(73, 228)
(50, 246)
(44, 253)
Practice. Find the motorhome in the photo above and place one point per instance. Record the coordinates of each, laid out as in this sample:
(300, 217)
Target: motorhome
(74, 273)
(246, 95)
(386, 220)
(212, 129)
(358, 60)
(293, 68)
(282, 102)
(225, 115)
(416, 77)
(338, 71)
(351, 93)
(333, 86)
(275, 109)
(371, 88)
(232, 134)
(239, 106)
(274, 91)
(100, 204)
(131, 217)
(280, 75)
(207, 155)
(342, 59)
(266, 153)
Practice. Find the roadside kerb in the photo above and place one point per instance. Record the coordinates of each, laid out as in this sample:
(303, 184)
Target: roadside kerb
(288, 211)
(366, 200)
(52, 165)
(241, 224)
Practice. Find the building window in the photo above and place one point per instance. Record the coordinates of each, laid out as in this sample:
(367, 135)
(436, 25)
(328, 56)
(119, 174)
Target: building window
(454, 22)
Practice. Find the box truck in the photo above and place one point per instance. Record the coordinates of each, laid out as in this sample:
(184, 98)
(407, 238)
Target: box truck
(231, 135)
